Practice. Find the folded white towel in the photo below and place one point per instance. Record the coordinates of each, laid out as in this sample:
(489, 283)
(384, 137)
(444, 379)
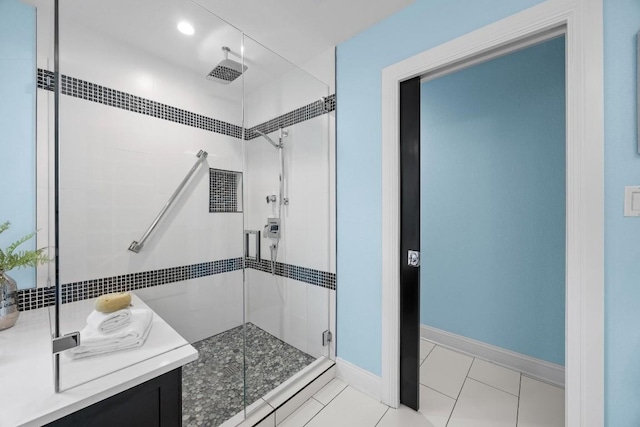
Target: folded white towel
(109, 322)
(93, 343)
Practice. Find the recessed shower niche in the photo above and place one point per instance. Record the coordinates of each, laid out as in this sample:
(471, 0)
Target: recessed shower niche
(225, 191)
(134, 106)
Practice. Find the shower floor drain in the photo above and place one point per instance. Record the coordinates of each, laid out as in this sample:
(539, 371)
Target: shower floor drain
(232, 370)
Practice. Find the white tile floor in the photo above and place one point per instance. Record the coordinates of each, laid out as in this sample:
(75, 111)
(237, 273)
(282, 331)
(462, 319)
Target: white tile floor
(456, 390)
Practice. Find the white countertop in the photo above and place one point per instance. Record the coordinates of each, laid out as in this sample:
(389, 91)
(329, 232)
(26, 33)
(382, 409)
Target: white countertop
(27, 396)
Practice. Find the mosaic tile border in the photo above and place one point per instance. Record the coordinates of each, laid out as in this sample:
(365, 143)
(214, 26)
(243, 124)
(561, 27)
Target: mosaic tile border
(46, 79)
(31, 299)
(324, 279)
(83, 89)
(309, 111)
(129, 282)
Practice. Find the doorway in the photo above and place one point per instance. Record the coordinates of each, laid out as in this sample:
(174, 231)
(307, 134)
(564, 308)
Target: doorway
(584, 242)
(490, 163)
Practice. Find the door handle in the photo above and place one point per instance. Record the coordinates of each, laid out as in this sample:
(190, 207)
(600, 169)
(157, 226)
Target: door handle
(413, 258)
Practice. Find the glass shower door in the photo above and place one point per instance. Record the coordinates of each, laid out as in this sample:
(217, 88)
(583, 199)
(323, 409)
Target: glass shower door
(150, 151)
(193, 169)
(287, 279)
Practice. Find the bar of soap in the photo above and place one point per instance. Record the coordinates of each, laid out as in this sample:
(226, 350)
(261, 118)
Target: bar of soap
(108, 303)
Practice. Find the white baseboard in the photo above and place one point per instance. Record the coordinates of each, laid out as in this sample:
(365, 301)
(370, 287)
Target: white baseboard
(545, 371)
(358, 378)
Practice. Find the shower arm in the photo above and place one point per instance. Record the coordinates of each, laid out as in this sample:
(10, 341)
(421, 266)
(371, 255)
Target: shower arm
(271, 141)
(136, 246)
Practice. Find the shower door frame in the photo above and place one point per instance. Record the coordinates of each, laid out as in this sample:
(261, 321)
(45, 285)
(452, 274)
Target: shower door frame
(583, 26)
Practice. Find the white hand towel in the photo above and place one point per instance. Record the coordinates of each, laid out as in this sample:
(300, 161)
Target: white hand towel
(93, 343)
(109, 322)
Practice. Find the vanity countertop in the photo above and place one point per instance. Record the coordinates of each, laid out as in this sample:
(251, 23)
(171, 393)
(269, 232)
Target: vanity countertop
(27, 394)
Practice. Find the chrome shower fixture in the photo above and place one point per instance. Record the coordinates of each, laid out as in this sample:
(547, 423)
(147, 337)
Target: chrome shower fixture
(271, 141)
(227, 70)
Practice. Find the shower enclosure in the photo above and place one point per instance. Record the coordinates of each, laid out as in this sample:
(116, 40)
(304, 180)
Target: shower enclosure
(192, 170)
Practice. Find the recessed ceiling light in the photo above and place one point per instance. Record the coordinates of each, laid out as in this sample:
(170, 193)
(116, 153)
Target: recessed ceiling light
(185, 28)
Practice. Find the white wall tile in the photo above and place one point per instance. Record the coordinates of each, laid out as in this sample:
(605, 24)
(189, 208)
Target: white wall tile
(318, 300)
(306, 220)
(102, 213)
(198, 308)
(293, 311)
(121, 167)
(88, 55)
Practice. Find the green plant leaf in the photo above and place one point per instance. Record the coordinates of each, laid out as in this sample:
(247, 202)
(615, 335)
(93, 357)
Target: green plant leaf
(10, 259)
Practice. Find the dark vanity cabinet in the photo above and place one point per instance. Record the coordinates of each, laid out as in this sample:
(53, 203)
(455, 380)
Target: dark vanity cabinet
(157, 402)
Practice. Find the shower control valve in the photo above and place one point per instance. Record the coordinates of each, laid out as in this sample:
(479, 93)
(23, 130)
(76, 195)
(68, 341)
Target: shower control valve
(272, 229)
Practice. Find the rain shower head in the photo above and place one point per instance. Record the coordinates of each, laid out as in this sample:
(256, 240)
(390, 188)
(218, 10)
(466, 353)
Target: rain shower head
(227, 70)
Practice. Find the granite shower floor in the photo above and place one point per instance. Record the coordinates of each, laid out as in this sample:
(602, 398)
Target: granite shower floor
(212, 386)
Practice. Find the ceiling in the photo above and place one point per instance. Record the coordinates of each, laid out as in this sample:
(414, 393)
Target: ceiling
(298, 30)
(301, 29)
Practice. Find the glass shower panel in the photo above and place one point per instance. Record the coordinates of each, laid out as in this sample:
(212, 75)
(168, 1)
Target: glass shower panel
(150, 151)
(287, 277)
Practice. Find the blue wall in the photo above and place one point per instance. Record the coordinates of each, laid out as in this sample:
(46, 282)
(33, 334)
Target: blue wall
(360, 60)
(622, 235)
(493, 202)
(17, 127)
(420, 26)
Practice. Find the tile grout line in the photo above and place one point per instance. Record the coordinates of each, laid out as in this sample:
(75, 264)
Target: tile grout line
(455, 403)
(439, 392)
(519, 394)
(494, 387)
(334, 397)
(323, 405)
(460, 392)
(298, 408)
(430, 351)
(385, 413)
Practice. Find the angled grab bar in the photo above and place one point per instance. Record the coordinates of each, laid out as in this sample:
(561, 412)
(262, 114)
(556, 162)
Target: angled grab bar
(136, 246)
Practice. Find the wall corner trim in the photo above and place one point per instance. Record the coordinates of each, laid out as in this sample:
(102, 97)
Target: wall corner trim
(530, 366)
(358, 378)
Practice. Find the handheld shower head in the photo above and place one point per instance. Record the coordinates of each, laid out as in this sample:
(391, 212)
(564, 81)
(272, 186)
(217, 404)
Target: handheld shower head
(227, 70)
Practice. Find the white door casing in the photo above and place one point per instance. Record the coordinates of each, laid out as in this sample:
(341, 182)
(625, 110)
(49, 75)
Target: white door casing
(584, 321)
